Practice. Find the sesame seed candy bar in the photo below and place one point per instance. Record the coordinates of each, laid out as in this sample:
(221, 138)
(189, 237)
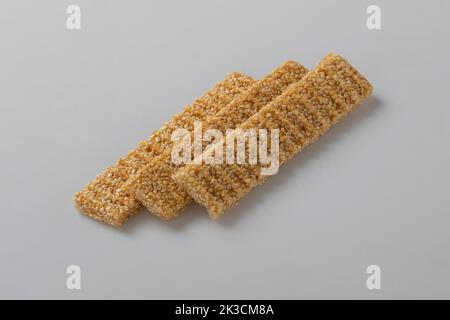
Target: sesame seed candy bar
(105, 199)
(302, 113)
(153, 185)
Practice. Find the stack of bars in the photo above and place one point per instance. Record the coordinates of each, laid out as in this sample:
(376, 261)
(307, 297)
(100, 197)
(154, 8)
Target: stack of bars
(300, 104)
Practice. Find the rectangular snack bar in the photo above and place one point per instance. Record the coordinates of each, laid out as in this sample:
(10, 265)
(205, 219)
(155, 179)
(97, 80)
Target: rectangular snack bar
(301, 114)
(153, 185)
(105, 198)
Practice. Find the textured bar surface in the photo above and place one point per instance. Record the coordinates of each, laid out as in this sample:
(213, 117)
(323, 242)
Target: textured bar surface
(153, 185)
(302, 113)
(105, 199)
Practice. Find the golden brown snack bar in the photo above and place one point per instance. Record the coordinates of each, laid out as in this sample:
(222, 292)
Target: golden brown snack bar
(105, 199)
(302, 113)
(153, 185)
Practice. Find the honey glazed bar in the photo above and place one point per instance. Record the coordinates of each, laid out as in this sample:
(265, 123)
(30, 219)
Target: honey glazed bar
(153, 185)
(302, 114)
(106, 200)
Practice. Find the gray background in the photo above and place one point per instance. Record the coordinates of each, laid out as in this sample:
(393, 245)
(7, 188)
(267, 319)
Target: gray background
(373, 190)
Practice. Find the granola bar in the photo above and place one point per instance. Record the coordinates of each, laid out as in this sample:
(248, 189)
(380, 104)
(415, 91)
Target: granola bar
(153, 185)
(105, 198)
(302, 113)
